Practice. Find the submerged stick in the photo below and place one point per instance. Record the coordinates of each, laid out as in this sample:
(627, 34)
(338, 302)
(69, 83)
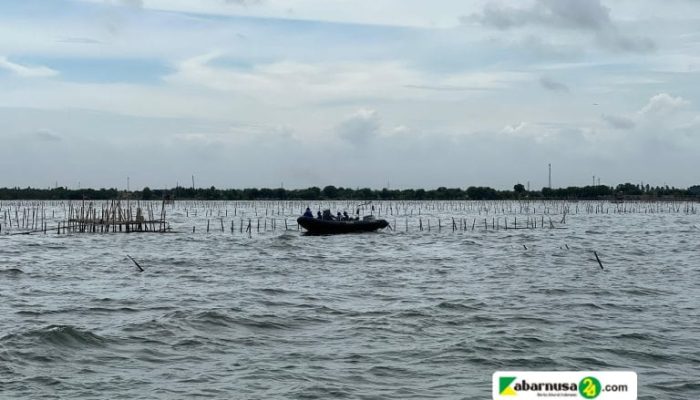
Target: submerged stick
(597, 258)
(137, 264)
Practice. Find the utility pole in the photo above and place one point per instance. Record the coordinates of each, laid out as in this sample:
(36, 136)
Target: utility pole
(192, 182)
(593, 180)
(550, 175)
(127, 183)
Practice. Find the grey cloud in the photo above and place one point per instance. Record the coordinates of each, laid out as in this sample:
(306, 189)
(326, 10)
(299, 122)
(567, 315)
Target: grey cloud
(588, 14)
(499, 17)
(46, 135)
(612, 39)
(117, 17)
(618, 122)
(360, 128)
(132, 3)
(551, 84)
(585, 15)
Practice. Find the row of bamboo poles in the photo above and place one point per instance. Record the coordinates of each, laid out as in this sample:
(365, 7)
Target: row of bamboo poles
(261, 216)
(270, 224)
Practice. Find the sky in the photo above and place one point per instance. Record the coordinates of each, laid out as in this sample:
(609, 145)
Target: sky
(362, 93)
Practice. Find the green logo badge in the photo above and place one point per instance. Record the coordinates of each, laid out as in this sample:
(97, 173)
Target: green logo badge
(589, 387)
(504, 386)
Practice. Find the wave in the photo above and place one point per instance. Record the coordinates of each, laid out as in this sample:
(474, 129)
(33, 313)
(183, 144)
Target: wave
(58, 336)
(451, 305)
(11, 271)
(213, 319)
(81, 310)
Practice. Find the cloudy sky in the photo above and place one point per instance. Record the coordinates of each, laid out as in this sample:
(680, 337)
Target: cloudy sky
(368, 93)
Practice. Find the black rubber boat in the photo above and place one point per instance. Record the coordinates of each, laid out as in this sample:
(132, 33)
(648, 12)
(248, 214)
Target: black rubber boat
(317, 226)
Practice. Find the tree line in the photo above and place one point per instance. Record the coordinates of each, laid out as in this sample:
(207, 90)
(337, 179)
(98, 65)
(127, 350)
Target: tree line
(626, 190)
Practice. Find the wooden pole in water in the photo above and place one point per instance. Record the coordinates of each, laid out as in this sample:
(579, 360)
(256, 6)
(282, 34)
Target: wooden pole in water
(598, 259)
(137, 264)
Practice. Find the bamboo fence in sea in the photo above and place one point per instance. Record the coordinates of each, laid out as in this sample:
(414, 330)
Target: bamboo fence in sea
(106, 217)
(248, 217)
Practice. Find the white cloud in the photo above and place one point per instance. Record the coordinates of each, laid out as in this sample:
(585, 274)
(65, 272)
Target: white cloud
(514, 129)
(26, 71)
(295, 83)
(661, 105)
(658, 115)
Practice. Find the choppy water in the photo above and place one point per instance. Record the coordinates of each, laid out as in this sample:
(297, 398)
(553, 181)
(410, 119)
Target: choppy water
(391, 315)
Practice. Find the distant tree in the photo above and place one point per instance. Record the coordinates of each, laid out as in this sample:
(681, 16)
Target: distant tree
(481, 193)
(519, 188)
(330, 192)
(628, 189)
(146, 193)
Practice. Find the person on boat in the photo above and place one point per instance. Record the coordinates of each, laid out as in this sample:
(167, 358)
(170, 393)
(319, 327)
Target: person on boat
(346, 217)
(327, 216)
(318, 215)
(338, 217)
(308, 213)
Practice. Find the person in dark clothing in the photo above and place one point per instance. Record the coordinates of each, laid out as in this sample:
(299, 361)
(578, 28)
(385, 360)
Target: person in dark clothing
(318, 215)
(346, 217)
(308, 213)
(339, 217)
(327, 216)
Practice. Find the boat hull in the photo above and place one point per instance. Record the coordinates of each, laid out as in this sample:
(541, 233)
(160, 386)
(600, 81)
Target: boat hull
(317, 226)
